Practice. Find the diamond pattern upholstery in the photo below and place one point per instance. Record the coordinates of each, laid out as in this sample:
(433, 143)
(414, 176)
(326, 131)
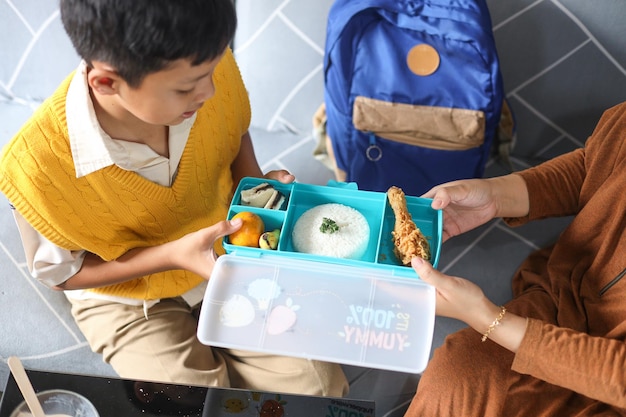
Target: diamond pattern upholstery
(563, 64)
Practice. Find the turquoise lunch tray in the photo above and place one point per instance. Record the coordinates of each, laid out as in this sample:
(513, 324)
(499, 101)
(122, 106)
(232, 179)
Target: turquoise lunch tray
(370, 311)
(372, 205)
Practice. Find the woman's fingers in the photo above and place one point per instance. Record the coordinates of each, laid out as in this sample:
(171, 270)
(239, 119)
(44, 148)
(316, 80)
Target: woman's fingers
(443, 283)
(425, 270)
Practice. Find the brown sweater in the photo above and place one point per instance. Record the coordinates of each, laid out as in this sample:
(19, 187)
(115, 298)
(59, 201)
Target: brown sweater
(584, 271)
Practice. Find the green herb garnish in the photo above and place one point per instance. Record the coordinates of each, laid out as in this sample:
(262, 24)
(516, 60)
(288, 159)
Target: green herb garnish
(329, 226)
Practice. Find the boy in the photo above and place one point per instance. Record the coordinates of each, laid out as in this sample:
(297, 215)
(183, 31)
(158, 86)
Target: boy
(121, 181)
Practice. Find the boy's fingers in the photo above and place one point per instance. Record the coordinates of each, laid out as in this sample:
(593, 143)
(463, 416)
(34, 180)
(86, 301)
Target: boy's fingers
(225, 227)
(222, 229)
(281, 175)
(235, 223)
(230, 226)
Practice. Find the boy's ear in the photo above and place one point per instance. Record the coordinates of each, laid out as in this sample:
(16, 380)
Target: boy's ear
(103, 79)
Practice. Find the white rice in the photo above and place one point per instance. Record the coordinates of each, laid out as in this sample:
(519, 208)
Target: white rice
(350, 241)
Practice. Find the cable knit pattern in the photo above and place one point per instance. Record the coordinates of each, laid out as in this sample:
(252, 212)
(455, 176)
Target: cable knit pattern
(112, 210)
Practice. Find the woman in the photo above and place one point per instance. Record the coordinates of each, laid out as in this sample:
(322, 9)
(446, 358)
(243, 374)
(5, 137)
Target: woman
(558, 347)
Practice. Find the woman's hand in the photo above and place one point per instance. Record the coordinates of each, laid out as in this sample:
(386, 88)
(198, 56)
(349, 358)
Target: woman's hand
(467, 204)
(461, 299)
(457, 298)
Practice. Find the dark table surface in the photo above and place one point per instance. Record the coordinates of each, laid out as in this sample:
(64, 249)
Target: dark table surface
(121, 397)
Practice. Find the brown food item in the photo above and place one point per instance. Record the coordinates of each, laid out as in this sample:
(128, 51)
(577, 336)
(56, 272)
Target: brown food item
(408, 240)
(271, 408)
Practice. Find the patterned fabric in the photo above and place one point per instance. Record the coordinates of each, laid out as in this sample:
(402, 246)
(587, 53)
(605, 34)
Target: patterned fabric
(112, 210)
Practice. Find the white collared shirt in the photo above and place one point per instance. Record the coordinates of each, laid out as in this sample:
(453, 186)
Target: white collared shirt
(94, 149)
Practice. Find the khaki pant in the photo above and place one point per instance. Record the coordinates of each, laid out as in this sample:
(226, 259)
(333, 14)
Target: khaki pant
(165, 348)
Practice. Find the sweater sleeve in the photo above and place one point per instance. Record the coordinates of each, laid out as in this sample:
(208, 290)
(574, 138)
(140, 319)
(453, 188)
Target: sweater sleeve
(553, 187)
(563, 185)
(591, 366)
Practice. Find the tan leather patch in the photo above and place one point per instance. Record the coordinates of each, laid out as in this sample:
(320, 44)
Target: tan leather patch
(428, 126)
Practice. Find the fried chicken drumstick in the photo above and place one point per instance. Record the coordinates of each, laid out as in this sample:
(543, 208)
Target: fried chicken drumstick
(408, 240)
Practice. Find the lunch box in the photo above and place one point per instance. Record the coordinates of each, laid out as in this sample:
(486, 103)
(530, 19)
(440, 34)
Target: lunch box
(371, 311)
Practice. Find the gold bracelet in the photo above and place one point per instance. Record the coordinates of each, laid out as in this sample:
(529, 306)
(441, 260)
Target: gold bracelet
(495, 323)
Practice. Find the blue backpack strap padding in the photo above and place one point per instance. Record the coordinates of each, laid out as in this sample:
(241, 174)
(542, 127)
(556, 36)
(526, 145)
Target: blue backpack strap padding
(366, 45)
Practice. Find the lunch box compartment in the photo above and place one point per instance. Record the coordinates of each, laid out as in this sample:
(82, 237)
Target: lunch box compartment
(372, 205)
(424, 217)
(306, 197)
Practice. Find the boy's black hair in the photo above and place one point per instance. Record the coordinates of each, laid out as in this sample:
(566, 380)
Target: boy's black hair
(139, 37)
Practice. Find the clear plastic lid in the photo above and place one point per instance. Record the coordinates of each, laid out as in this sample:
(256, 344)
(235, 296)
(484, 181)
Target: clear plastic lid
(337, 313)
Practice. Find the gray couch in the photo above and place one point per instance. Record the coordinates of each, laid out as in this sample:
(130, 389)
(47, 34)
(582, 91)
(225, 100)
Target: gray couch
(563, 64)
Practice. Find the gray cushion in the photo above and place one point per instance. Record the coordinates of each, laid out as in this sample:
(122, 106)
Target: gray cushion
(279, 47)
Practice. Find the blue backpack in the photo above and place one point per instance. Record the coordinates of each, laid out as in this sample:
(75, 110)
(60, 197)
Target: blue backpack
(413, 91)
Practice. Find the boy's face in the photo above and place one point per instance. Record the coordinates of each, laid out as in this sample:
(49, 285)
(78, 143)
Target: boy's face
(169, 96)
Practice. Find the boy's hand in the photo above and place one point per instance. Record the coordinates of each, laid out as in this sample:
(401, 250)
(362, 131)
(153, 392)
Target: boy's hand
(194, 251)
(281, 175)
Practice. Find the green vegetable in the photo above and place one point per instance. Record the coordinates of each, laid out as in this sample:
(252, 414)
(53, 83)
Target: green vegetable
(329, 226)
(269, 240)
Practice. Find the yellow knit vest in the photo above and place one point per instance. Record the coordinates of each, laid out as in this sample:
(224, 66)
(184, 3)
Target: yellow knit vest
(112, 210)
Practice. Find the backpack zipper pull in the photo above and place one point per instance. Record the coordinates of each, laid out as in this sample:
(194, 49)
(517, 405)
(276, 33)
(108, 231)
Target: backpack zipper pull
(373, 152)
